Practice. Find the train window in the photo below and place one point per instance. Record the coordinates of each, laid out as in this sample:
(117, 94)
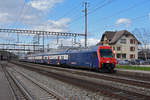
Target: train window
(106, 53)
(62, 57)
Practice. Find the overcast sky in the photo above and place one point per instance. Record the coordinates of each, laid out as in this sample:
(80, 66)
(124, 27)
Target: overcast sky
(68, 15)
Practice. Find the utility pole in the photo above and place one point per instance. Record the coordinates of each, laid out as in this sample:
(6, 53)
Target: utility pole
(47, 47)
(18, 43)
(38, 42)
(43, 42)
(85, 11)
(17, 37)
(57, 39)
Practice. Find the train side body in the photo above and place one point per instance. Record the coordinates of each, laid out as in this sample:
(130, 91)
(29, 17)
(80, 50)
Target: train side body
(89, 59)
(83, 60)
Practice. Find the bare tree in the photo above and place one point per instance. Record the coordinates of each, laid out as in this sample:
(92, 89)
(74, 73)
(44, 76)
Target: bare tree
(143, 36)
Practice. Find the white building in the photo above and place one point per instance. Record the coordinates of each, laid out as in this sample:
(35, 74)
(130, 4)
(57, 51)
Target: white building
(123, 43)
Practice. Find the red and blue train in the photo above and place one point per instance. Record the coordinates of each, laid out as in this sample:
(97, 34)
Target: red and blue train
(100, 58)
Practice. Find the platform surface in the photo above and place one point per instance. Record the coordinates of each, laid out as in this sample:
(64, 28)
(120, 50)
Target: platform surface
(134, 72)
(5, 91)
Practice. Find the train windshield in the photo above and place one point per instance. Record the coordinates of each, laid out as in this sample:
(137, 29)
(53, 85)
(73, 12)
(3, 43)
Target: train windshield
(106, 53)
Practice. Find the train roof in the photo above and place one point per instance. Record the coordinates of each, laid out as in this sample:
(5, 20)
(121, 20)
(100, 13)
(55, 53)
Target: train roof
(70, 50)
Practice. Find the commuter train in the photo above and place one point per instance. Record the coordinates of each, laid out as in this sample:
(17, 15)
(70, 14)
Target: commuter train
(100, 58)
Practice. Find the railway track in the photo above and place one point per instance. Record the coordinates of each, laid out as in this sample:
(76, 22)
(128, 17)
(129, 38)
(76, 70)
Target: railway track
(69, 76)
(46, 93)
(111, 77)
(18, 91)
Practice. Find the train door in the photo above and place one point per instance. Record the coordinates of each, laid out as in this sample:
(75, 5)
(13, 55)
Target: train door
(42, 59)
(48, 62)
(94, 63)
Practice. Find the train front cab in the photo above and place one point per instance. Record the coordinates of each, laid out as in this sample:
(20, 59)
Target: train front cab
(106, 59)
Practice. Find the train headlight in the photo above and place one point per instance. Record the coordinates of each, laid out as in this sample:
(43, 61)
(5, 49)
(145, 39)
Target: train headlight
(107, 61)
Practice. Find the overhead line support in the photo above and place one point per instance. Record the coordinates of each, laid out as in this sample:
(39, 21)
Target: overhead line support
(85, 10)
(35, 32)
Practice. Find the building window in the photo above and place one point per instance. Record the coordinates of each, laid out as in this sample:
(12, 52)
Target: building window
(123, 41)
(118, 48)
(132, 48)
(118, 55)
(132, 41)
(124, 56)
(132, 56)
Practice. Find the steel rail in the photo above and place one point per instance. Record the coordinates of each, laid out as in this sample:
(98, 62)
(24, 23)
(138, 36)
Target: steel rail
(89, 84)
(110, 77)
(42, 86)
(19, 85)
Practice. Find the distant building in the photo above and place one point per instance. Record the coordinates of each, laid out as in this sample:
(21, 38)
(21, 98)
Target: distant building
(144, 54)
(123, 43)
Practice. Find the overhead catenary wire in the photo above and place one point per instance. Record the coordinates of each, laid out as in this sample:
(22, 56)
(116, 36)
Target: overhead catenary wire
(20, 12)
(70, 11)
(126, 9)
(97, 3)
(115, 14)
(101, 6)
(133, 19)
(18, 18)
(139, 17)
(94, 10)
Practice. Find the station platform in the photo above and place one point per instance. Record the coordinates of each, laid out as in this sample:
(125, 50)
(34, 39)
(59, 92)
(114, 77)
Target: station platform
(134, 72)
(5, 90)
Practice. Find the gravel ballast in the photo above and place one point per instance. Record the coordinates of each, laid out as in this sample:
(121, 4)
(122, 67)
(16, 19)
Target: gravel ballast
(69, 91)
